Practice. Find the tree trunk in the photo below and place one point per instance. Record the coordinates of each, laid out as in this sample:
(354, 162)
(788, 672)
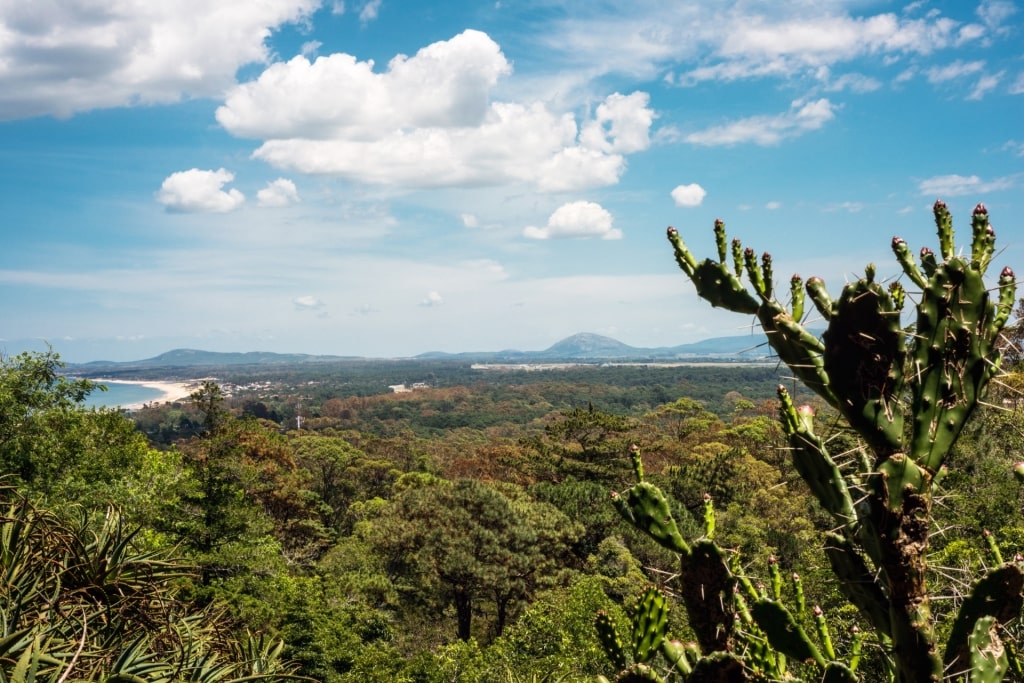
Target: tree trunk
(464, 614)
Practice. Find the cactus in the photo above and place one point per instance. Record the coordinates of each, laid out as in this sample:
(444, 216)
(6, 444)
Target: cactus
(997, 596)
(784, 633)
(650, 620)
(610, 642)
(988, 655)
(645, 507)
(908, 395)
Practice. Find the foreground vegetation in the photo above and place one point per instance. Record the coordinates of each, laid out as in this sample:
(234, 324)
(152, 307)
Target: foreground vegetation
(466, 532)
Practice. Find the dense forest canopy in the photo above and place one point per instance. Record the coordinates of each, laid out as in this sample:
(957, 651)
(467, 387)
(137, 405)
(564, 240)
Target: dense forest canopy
(459, 532)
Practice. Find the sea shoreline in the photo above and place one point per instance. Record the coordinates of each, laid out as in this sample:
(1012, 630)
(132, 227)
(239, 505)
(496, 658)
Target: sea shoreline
(171, 391)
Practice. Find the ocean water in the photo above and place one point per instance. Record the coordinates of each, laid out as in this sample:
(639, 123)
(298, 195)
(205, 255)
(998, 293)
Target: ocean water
(121, 394)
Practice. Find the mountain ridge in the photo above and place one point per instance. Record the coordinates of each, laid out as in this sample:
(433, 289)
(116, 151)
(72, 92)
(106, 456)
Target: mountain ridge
(583, 346)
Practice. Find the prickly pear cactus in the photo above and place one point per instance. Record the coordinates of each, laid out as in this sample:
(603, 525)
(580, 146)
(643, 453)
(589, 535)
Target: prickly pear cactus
(908, 394)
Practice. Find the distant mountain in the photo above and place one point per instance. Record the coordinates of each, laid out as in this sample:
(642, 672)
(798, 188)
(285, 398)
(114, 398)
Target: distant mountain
(583, 347)
(595, 347)
(190, 358)
(587, 345)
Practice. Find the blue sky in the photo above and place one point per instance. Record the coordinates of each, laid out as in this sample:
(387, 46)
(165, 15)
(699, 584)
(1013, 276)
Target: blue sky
(386, 178)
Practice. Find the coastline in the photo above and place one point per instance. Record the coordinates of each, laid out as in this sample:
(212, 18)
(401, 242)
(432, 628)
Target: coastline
(171, 391)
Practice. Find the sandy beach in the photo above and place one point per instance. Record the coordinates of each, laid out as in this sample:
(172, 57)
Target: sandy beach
(172, 391)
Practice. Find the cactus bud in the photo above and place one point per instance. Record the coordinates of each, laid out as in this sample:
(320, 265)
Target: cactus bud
(1018, 471)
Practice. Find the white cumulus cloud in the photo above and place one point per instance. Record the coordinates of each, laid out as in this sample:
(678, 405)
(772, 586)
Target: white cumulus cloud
(576, 219)
(689, 195)
(60, 57)
(280, 192)
(196, 190)
(429, 121)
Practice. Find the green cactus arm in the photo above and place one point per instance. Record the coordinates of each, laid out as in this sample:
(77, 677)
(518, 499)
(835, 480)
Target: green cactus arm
(858, 582)
(609, 640)
(993, 547)
(906, 261)
(712, 279)
(784, 633)
(709, 517)
(674, 653)
(796, 332)
(824, 635)
(997, 595)
(1007, 297)
(755, 275)
(856, 647)
(820, 297)
(989, 660)
(798, 591)
(768, 275)
(637, 462)
(650, 622)
(944, 226)
(644, 506)
(955, 356)
(775, 575)
(797, 348)
(721, 240)
(796, 297)
(814, 465)
(983, 239)
(737, 251)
